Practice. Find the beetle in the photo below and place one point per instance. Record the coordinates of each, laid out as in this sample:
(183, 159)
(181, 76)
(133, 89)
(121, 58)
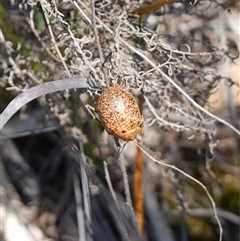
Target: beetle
(119, 113)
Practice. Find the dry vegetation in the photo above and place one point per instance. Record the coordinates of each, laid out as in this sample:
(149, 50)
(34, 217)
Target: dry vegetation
(181, 62)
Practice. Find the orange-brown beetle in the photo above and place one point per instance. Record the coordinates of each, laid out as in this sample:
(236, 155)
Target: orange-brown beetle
(119, 113)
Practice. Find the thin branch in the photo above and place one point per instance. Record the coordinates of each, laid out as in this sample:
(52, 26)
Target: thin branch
(128, 195)
(180, 89)
(193, 179)
(108, 179)
(79, 209)
(98, 42)
(53, 39)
